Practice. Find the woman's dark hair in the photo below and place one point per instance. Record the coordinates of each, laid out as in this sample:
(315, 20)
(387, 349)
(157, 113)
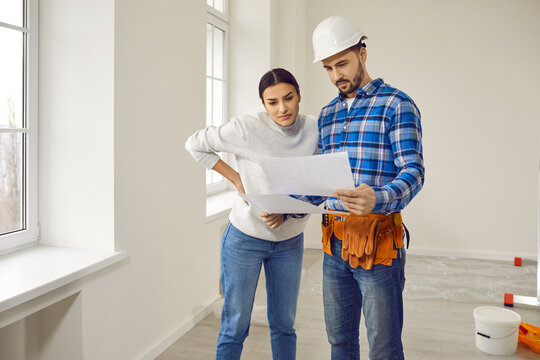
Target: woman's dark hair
(274, 77)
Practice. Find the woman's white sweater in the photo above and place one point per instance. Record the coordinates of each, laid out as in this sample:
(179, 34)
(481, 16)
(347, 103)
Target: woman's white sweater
(249, 138)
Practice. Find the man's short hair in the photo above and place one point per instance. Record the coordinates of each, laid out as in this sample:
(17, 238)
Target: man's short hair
(360, 44)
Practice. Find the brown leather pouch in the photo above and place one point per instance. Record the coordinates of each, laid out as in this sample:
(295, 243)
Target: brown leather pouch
(327, 231)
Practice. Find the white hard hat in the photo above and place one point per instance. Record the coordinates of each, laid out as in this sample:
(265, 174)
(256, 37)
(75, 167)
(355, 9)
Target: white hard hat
(334, 34)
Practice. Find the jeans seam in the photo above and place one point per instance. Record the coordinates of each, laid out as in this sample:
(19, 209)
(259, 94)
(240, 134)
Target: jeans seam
(225, 280)
(395, 315)
(352, 321)
(269, 294)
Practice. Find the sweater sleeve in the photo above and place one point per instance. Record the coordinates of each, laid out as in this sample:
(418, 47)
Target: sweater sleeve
(204, 144)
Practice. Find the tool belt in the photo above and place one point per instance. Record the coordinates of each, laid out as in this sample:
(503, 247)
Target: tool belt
(367, 240)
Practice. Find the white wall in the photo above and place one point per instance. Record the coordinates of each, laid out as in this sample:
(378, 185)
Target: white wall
(249, 54)
(76, 109)
(122, 87)
(472, 69)
(12, 341)
(53, 333)
(288, 36)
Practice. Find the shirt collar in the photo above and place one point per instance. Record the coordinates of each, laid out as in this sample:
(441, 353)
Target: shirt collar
(367, 89)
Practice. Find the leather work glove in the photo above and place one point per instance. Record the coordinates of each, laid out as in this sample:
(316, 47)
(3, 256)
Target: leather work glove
(359, 244)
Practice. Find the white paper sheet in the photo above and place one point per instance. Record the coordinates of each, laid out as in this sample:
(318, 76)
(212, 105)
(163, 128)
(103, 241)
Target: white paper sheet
(283, 204)
(309, 175)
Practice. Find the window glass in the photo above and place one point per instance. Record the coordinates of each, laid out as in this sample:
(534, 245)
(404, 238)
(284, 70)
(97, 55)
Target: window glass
(11, 184)
(213, 177)
(11, 78)
(209, 52)
(217, 108)
(208, 101)
(218, 5)
(216, 177)
(209, 176)
(216, 86)
(219, 39)
(18, 123)
(11, 12)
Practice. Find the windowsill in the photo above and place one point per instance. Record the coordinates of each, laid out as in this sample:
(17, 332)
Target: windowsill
(38, 270)
(219, 205)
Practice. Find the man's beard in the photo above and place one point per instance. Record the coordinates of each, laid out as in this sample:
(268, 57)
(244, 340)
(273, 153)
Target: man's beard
(355, 84)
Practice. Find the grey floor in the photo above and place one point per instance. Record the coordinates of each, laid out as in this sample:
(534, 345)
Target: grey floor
(440, 296)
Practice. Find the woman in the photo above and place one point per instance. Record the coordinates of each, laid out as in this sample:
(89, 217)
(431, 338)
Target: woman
(252, 238)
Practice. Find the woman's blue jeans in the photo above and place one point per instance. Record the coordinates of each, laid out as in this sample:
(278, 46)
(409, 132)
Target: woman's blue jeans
(241, 260)
(378, 292)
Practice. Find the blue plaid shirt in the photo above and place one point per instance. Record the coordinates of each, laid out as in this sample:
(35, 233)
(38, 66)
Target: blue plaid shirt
(382, 135)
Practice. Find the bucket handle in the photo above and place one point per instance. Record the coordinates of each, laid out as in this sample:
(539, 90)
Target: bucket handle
(497, 338)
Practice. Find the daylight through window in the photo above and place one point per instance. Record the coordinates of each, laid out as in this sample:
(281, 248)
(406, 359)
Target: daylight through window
(216, 80)
(16, 113)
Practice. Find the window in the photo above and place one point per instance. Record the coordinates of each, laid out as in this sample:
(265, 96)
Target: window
(216, 78)
(18, 123)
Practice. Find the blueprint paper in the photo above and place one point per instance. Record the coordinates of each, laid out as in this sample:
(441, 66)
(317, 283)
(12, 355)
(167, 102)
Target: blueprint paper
(309, 175)
(283, 204)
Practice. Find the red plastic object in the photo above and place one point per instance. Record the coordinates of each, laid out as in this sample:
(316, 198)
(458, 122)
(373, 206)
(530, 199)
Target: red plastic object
(517, 261)
(509, 300)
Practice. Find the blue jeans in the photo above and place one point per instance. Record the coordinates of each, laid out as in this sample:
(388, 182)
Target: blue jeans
(378, 292)
(241, 259)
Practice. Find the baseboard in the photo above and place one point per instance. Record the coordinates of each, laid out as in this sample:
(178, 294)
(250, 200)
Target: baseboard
(472, 254)
(313, 245)
(181, 331)
(453, 253)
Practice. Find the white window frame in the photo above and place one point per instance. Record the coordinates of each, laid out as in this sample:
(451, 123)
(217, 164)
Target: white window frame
(29, 235)
(224, 16)
(220, 20)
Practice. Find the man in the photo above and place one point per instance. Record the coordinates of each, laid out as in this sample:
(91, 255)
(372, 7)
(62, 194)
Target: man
(379, 127)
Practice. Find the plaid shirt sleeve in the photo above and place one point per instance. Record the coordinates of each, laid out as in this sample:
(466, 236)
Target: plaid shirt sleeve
(295, 216)
(405, 136)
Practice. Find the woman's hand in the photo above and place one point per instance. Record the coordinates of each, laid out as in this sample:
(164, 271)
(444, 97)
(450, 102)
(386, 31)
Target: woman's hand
(240, 187)
(273, 221)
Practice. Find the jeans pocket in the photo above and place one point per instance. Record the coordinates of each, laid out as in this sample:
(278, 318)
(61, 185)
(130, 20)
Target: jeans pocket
(225, 235)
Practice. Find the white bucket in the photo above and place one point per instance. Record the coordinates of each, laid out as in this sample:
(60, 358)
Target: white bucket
(496, 330)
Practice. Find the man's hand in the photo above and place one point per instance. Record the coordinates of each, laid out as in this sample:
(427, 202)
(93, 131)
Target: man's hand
(360, 201)
(273, 221)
